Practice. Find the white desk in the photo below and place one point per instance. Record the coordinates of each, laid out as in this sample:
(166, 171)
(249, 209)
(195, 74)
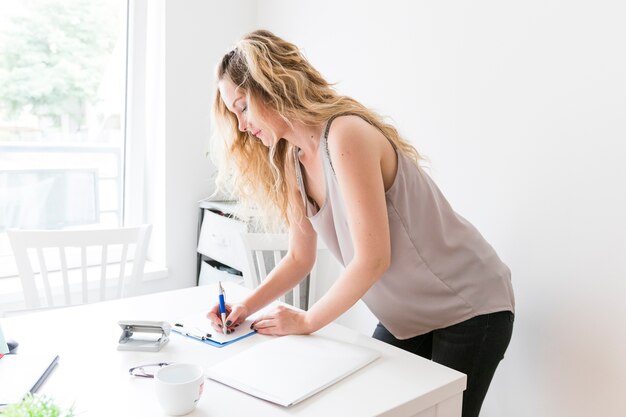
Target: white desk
(93, 374)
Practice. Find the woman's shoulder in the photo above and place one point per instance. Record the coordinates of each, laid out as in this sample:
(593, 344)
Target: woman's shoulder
(349, 129)
(346, 123)
(353, 143)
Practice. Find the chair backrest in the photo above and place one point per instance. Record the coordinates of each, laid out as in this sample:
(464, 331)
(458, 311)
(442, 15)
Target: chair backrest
(261, 247)
(87, 262)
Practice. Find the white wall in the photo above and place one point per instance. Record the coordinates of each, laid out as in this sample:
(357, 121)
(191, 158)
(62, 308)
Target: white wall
(520, 108)
(197, 34)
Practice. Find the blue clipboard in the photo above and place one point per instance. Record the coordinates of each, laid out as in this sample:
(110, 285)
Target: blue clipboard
(212, 342)
(198, 327)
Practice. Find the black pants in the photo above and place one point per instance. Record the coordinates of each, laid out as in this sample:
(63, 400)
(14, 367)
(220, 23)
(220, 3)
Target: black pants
(474, 347)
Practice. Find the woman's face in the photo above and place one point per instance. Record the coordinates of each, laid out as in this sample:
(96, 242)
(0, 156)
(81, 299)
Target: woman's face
(260, 123)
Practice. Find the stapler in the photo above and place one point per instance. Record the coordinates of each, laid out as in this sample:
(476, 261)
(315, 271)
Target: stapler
(155, 335)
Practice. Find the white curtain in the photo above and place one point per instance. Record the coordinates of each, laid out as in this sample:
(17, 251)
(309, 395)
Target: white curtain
(145, 124)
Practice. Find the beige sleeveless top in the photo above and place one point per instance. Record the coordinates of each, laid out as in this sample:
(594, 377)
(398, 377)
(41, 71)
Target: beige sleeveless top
(442, 270)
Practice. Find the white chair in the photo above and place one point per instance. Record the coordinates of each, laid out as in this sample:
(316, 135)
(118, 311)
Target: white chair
(66, 263)
(258, 248)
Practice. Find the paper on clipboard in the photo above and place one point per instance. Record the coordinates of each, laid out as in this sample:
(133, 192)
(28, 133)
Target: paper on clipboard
(198, 324)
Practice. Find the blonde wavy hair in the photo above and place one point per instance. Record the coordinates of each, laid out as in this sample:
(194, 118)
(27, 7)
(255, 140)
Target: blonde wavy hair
(275, 75)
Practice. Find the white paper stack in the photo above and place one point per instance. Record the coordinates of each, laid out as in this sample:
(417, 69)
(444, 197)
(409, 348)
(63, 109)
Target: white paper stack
(289, 369)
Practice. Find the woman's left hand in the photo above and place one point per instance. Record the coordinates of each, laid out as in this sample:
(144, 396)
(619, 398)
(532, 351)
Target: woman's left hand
(282, 321)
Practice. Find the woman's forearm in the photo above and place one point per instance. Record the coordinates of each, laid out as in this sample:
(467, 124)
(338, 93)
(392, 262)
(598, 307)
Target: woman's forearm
(354, 282)
(286, 275)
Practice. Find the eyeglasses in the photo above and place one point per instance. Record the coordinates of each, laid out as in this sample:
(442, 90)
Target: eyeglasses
(147, 371)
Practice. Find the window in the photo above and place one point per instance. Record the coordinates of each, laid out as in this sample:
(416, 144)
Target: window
(62, 111)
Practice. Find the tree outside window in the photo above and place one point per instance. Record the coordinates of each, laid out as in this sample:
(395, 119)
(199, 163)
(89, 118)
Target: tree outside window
(62, 89)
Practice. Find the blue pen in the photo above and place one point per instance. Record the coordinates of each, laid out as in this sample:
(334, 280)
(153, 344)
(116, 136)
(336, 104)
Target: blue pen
(222, 307)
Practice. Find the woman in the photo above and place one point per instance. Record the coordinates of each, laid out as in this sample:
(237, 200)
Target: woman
(328, 166)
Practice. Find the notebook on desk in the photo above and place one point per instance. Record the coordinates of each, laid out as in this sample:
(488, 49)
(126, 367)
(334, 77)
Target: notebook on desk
(289, 369)
(23, 373)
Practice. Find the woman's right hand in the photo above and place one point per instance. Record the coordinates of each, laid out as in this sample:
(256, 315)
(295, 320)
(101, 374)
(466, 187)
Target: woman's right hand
(235, 315)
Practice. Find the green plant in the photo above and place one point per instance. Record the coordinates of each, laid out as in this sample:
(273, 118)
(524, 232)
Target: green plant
(35, 406)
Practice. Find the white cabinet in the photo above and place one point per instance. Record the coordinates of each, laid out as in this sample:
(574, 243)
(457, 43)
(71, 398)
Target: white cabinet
(210, 273)
(219, 246)
(219, 239)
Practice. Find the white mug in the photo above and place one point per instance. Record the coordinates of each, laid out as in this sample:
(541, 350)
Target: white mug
(179, 387)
